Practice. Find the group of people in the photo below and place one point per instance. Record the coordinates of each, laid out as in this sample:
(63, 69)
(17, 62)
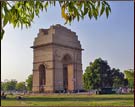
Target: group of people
(4, 96)
(122, 90)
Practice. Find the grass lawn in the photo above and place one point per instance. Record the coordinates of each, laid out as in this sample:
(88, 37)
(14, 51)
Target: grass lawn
(71, 100)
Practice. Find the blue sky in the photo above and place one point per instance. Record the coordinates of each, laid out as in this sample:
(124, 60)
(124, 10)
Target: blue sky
(111, 39)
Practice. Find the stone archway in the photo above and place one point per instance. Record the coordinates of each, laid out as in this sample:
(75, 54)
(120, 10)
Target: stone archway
(68, 73)
(42, 78)
(57, 62)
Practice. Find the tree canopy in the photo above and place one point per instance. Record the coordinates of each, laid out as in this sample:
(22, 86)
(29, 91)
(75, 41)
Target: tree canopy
(9, 85)
(99, 75)
(129, 74)
(118, 78)
(20, 86)
(29, 83)
(12, 85)
(22, 13)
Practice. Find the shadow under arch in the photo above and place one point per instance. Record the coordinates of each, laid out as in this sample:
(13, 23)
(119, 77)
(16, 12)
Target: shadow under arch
(42, 77)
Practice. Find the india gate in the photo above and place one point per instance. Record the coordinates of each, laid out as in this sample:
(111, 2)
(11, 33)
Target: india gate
(57, 60)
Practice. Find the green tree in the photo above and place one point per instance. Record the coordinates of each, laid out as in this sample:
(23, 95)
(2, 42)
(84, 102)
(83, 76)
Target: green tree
(91, 79)
(29, 83)
(21, 86)
(20, 13)
(99, 75)
(9, 85)
(125, 82)
(130, 77)
(118, 78)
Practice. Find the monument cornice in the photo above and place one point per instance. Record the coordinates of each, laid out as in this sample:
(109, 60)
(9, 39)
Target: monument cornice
(56, 44)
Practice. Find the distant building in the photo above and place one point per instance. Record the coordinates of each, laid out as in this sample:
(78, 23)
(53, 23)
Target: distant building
(57, 60)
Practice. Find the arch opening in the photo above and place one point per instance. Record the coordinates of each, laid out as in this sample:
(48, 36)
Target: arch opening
(67, 72)
(42, 77)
